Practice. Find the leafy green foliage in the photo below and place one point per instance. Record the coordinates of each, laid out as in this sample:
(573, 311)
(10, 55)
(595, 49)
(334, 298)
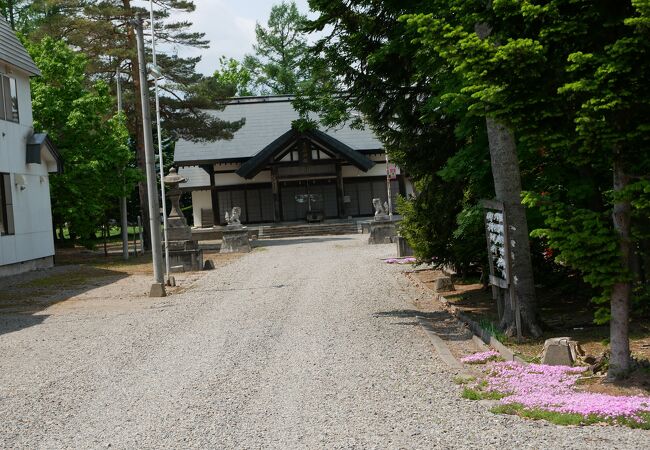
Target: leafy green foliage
(103, 31)
(366, 69)
(233, 75)
(568, 77)
(77, 115)
(584, 239)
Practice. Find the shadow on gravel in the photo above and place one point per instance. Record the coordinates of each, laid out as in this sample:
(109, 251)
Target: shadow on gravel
(444, 324)
(16, 322)
(23, 296)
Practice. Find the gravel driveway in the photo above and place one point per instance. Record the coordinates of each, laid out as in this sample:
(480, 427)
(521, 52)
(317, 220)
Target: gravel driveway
(306, 343)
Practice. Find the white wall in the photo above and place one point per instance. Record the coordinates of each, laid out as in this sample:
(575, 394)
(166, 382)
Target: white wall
(232, 179)
(31, 206)
(378, 170)
(200, 200)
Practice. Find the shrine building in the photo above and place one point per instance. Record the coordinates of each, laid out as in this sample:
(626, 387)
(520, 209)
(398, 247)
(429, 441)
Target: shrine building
(278, 174)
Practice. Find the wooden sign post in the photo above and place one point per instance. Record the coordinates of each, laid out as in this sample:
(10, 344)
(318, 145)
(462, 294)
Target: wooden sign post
(500, 259)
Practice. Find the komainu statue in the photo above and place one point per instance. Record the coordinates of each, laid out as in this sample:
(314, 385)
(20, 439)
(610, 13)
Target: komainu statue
(381, 211)
(233, 219)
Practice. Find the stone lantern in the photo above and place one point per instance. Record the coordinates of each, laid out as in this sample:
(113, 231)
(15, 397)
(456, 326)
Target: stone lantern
(184, 253)
(177, 228)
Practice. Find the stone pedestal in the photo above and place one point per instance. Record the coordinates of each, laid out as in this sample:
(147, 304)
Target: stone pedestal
(403, 247)
(560, 351)
(185, 254)
(382, 232)
(235, 240)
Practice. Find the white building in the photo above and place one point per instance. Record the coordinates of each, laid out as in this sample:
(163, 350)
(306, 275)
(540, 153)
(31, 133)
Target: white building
(278, 174)
(26, 160)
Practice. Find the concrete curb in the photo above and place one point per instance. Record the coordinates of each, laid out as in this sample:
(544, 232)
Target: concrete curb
(481, 335)
(440, 346)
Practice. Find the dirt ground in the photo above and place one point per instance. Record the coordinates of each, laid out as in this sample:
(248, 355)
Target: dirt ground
(87, 279)
(562, 315)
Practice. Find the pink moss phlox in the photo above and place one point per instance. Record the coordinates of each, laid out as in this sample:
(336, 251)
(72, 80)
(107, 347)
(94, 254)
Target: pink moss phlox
(480, 358)
(400, 260)
(553, 388)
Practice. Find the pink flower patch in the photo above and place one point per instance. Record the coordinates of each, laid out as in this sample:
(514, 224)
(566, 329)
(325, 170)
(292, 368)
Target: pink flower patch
(553, 388)
(400, 260)
(480, 358)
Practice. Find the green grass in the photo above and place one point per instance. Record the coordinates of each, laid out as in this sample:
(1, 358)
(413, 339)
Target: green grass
(494, 330)
(115, 233)
(475, 394)
(569, 418)
(530, 359)
(464, 379)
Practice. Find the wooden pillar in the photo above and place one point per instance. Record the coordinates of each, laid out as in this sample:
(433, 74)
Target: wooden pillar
(275, 189)
(340, 192)
(216, 217)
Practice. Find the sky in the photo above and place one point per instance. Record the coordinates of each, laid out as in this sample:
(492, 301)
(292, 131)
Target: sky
(230, 27)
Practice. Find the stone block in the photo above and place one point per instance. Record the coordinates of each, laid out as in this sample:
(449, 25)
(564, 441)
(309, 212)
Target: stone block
(403, 247)
(157, 290)
(187, 255)
(443, 284)
(381, 232)
(561, 351)
(235, 241)
(179, 233)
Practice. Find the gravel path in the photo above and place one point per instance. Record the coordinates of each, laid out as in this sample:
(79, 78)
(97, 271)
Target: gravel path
(307, 343)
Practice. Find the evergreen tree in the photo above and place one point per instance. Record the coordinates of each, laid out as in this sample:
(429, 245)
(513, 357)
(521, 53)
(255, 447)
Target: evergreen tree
(280, 48)
(103, 30)
(366, 69)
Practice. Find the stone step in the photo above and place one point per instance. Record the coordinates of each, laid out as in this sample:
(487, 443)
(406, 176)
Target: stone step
(308, 230)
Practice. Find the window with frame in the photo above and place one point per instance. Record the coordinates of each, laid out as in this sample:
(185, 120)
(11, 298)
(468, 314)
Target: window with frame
(9, 99)
(6, 206)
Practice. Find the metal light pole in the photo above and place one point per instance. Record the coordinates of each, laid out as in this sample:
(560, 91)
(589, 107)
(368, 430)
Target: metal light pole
(156, 75)
(158, 287)
(123, 209)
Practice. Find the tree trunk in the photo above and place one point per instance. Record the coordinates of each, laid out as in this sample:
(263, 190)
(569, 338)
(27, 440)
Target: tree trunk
(507, 185)
(10, 8)
(139, 137)
(619, 364)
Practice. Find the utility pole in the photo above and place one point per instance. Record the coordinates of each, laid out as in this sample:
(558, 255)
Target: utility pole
(156, 74)
(158, 287)
(123, 210)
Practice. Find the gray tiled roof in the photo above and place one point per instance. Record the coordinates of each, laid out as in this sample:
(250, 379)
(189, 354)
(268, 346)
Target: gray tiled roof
(265, 122)
(196, 177)
(13, 52)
